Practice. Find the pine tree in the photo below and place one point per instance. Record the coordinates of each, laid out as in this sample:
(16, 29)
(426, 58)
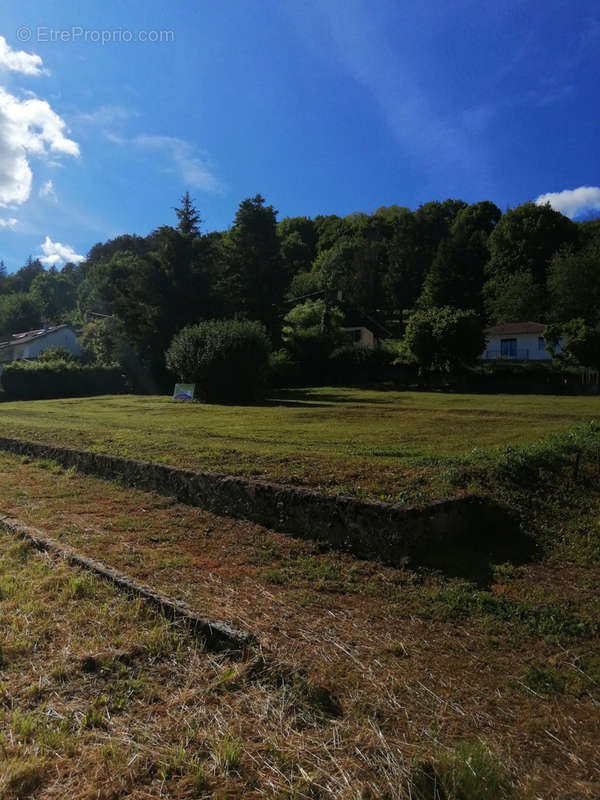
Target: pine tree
(189, 219)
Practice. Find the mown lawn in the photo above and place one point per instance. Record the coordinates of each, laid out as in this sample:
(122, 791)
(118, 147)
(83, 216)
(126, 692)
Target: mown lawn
(340, 439)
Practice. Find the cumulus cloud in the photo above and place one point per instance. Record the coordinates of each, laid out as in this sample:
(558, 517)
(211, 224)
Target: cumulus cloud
(195, 172)
(19, 60)
(9, 222)
(47, 191)
(572, 202)
(27, 128)
(57, 253)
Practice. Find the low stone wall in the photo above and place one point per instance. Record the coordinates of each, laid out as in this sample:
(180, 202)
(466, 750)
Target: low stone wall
(216, 634)
(392, 534)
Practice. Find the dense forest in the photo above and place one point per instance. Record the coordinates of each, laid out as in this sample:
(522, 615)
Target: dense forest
(530, 263)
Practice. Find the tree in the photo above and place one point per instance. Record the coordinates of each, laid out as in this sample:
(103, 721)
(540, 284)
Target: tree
(166, 284)
(445, 338)
(54, 293)
(311, 331)
(580, 342)
(20, 281)
(574, 283)
(456, 276)
(104, 339)
(298, 253)
(330, 229)
(19, 312)
(515, 297)
(355, 267)
(413, 247)
(255, 273)
(522, 243)
(189, 219)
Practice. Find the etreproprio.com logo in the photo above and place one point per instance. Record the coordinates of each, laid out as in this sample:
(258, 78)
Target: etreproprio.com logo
(102, 36)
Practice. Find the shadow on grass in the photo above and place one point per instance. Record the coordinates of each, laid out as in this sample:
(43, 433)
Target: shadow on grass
(473, 555)
(314, 396)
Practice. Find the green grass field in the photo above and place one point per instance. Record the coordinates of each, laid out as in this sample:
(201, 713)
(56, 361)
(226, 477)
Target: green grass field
(349, 440)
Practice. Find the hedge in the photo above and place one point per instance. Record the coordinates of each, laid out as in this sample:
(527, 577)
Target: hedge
(34, 380)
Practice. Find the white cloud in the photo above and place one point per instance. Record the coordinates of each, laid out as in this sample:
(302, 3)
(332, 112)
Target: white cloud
(27, 128)
(8, 223)
(57, 253)
(19, 60)
(572, 202)
(196, 173)
(48, 191)
(106, 115)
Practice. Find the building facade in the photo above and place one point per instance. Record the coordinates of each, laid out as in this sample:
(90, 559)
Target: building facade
(517, 341)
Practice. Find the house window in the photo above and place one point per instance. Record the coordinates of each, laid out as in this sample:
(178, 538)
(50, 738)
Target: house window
(541, 344)
(508, 348)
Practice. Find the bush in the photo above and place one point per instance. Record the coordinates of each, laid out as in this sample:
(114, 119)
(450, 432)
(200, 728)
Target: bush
(354, 364)
(283, 370)
(226, 359)
(444, 338)
(56, 354)
(38, 380)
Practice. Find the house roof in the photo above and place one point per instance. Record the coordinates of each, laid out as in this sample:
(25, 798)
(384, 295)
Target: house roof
(515, 327)
(28, 336)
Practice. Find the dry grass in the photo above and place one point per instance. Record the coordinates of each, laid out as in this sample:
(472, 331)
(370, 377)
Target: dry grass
(371, 682)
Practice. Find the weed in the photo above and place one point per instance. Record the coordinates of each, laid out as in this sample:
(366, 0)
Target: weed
(22, 778)
(544, 680)
(473, 772)
(78, 587)
(226, 753)
(94, 717)
(461, 601)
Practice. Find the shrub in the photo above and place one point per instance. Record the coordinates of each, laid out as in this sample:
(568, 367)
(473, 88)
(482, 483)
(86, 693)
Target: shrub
(38, 380)
(283, 370)
(226, 359)
(354, 364)
(56, 354)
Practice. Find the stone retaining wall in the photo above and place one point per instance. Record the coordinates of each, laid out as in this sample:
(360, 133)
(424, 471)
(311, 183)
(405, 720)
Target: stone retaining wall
(393, 534)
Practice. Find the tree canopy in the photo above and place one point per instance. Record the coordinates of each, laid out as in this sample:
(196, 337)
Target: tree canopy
(530, 263)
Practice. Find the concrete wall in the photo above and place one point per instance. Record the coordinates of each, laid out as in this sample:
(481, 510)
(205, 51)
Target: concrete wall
(393, 534)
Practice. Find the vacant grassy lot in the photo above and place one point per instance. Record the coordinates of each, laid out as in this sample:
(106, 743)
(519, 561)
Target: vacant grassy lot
(370, 681)
(347, 440)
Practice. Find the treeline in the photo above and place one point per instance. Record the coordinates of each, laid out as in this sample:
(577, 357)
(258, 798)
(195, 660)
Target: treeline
(528, 263)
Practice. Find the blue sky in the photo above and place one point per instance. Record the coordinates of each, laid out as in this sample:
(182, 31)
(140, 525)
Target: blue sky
(322, 106)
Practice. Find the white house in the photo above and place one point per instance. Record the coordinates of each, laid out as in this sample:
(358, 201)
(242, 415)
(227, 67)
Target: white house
(517, 341)
(29, 344)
